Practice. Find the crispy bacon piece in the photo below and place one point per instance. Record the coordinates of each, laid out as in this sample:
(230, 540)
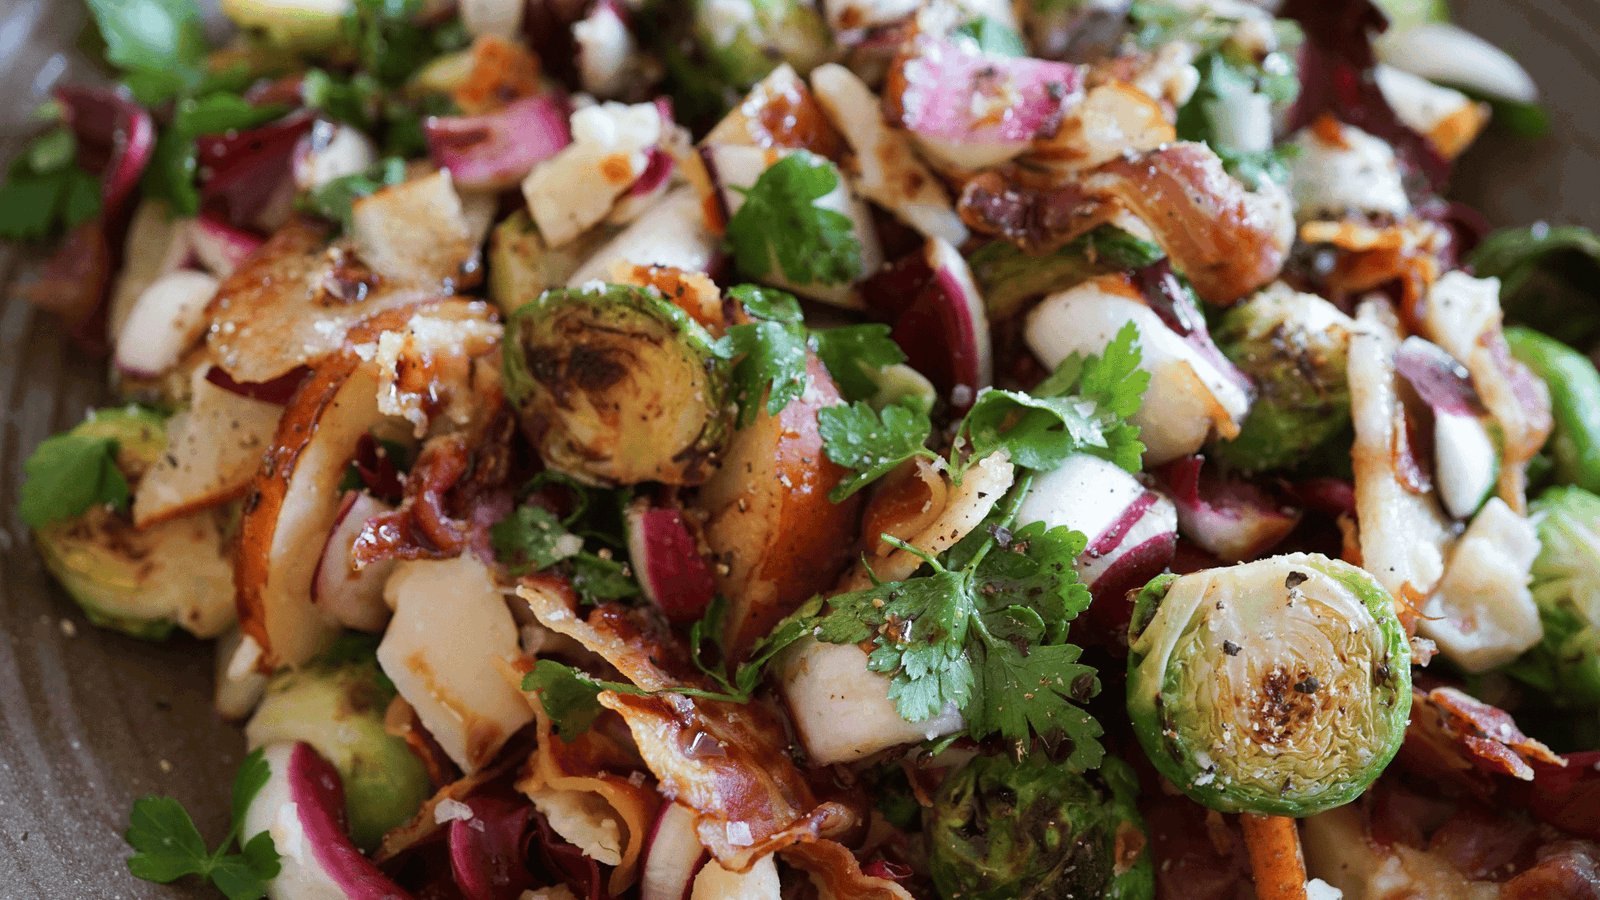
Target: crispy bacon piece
(1566, 870)
(1451, 733)
(456, 490)
(1227, 240)
(727, 761)
(593, 763)
(837, 875)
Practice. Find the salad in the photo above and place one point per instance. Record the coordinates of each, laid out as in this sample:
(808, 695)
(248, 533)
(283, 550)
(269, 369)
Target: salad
(697, 449)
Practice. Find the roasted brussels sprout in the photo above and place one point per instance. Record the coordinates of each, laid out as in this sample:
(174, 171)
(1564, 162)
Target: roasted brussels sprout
(746, 39)
(140, 581)
(1565, 664)
(337, 706)
(1001, 830)
(615, 386)
(1280, 686)
(1294, 347)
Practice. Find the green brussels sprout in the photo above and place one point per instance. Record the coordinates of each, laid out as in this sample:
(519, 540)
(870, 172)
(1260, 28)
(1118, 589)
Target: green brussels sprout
(1008, 277)
(1294, 347)
(1279, 687)
(1002, 830)
(615, 386)
(304, 26)
(746, 39)
(141, 581)
(1565, 664)
(522, 266)
(337, 705)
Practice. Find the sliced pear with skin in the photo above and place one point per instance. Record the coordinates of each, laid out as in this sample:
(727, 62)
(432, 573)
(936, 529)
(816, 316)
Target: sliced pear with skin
(292, 506)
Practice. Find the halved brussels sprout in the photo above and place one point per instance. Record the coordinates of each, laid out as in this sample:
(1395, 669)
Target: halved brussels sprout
(1294, 347)
(337, 706)
(143, 582)
(1278, 687)
(1565, 664)
(746, 39)
(1001, 830)
(615, 386)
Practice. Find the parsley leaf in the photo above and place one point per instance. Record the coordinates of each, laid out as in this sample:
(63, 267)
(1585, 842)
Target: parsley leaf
(1082, 407)
(569, 697)
(988, 636)
(158, 44)
(173, 161)
(45, 191)
(335, 200)
(167, 846)
(597, 578)
(992, 37)
(780, 221)
(530, 539)
(771, 351)
(68, 474)
(850, 352)
(872, 444)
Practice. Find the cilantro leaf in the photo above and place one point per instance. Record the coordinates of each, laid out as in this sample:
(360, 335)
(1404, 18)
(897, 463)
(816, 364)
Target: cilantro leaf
(1082, 407)
(530, 539)
(1037, 691)
(68, 474)
(850, 351)
(872, 444)
(159, 45)
(248, 782)
(167, 846)
(780, 221)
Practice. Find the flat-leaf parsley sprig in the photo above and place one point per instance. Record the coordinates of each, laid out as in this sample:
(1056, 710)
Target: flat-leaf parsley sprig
(167, 846)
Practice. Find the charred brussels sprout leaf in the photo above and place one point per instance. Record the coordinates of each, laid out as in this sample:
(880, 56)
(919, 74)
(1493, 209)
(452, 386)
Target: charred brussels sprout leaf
(1015, 831)
(615, 386)
(1294, 347)
(1278, 687)
(337, 705)
(1008, 276)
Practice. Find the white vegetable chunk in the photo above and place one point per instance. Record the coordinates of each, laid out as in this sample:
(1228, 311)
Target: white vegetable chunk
(1482, 615)
(1403, 534)
(450, 625)
(716, 883)
(165, 320)
(672, 233)
(1091, 495)
(819, 679)
(889, 171)
(213, 450)
(1189, 396)
(1355, 174)
(575, 189)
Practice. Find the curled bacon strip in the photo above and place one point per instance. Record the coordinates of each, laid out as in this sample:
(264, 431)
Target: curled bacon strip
(726, 761)
(1451, 735)
(1227, 240)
